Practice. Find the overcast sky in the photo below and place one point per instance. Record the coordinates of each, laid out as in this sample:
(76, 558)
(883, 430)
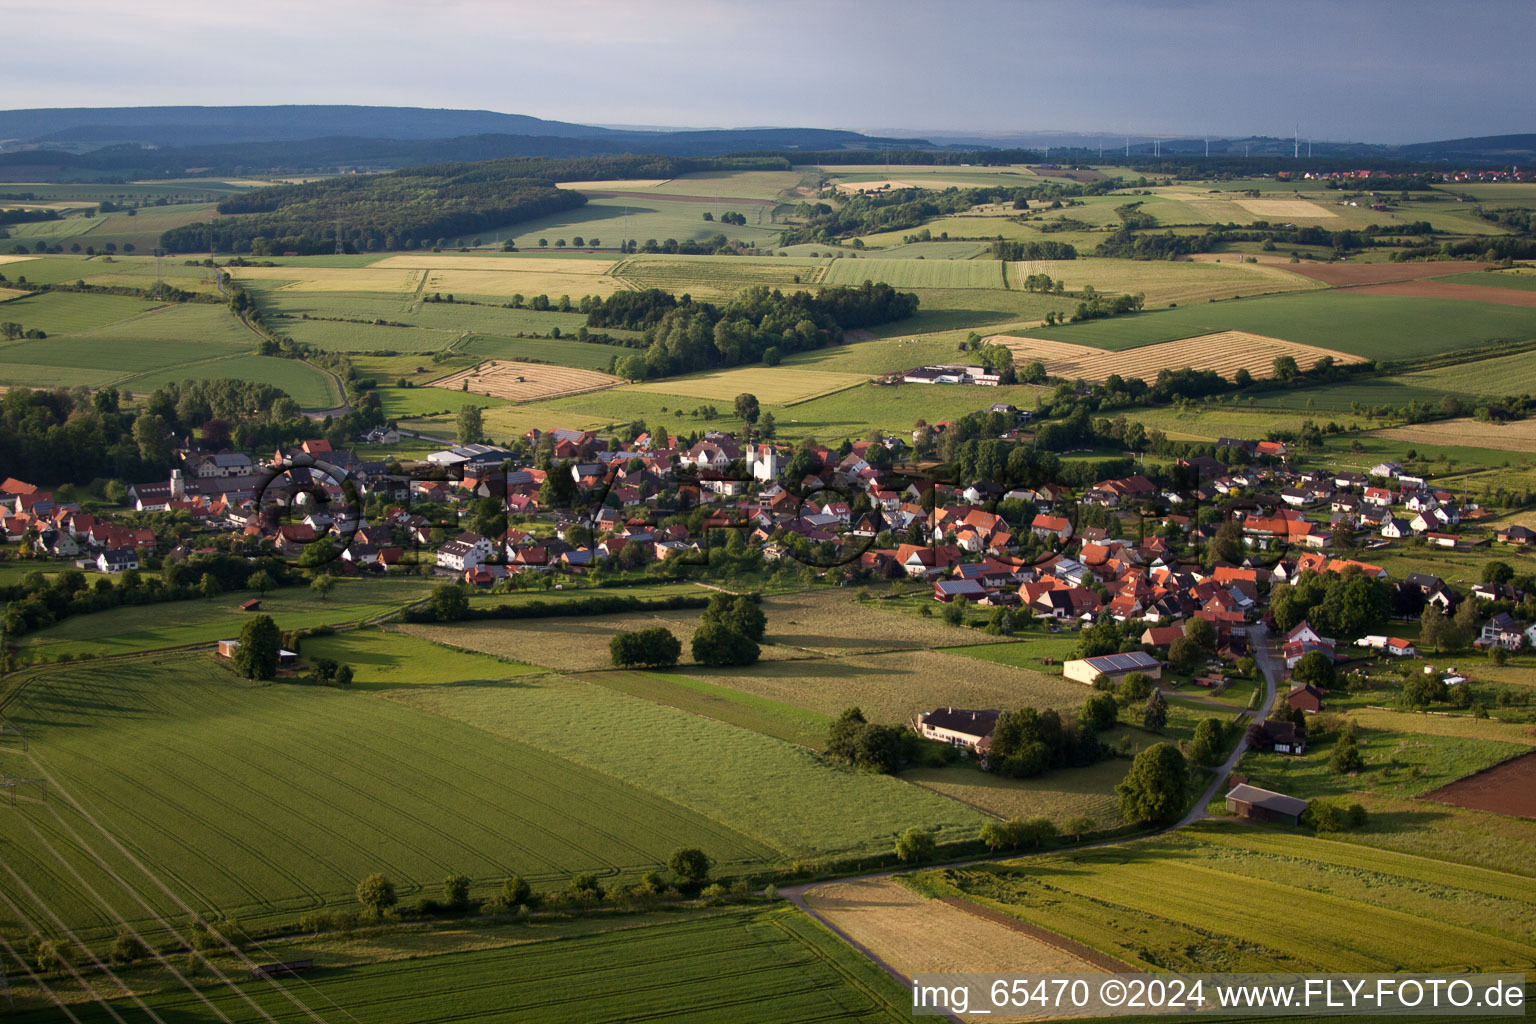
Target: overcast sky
(1361, 70)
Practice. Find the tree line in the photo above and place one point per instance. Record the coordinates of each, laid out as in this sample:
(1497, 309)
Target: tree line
(760, 324)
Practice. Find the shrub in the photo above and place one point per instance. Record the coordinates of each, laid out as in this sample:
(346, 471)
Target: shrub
(915, 845)
(655, 647)
(690, 864)
(456, 892)
(377, 893)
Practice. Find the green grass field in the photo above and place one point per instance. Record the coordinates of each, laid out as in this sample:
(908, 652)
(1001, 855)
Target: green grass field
(134, 628)
(642, 217)
(779, 794)
(308, 385)
(1523, 280)
(755, 965)
(382, 658)
(925, 273)
(71, 312)
(1472, 381)
(582, 355)
(1377, 327)
(243, 798)
(720, 277)
(1229, 897)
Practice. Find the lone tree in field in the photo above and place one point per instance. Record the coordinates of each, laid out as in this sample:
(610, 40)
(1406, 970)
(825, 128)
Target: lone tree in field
(1077, 825)
(471, 423)
(256, 657)
(655, 647)
(516, 892)
(1346, 756)
(449, 603)
(995, 835)
(690, 864)
(1154, 713)
(1205, 747)
(323, 585)
(261, 581)
(747, 409)
(1100, 712)
(915, 845)
(1154, 788)
(728, 632)
(377, 893)
(456, 892)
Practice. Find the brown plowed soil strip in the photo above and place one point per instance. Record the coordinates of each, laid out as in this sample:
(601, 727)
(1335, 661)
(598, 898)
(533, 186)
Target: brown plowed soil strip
(1508, 788)
(1450, 290)
(1050, 938)
(1346, 275)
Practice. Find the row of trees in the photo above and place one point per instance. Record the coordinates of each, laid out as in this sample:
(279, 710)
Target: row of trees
(682, 335)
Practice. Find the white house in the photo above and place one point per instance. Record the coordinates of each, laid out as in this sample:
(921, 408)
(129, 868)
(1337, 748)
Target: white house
(958, 727)
(764, 462)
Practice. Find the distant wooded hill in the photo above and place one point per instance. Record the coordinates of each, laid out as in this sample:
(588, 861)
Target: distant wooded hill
(417, 207)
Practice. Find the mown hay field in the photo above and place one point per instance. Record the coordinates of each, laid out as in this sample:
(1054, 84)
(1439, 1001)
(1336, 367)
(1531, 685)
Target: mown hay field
(1225, 352)
(525, 382)
(332, 279)
(576, 643)
(897, 686)
(719, 277)
(771, 385)
(1286, 209)
(270, 822)
(780, 795)
(918, 273)
(512, 263)
(1227, 897)
(502, 283)
(916, 935)
(1515, 436)
(1164, 281)
(1370, 326)
(618, 184)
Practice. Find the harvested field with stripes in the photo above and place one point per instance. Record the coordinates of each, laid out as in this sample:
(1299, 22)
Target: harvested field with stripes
(1515, 436)
(771, 385)
(334, 279)
(1225, 352)
(915, 934)
(525, 382)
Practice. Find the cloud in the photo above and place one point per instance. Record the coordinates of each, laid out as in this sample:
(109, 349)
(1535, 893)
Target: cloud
(1375, 70)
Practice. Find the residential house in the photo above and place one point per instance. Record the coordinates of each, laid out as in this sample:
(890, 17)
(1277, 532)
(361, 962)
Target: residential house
(1502, 631)
(1305, 698)
(116, 560)
(1284, 737)
(959, 727)
(1303, 640)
